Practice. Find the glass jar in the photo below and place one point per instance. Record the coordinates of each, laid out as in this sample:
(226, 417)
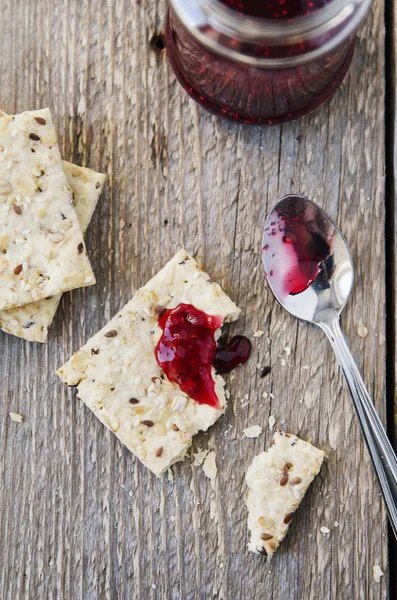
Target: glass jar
(261, 71)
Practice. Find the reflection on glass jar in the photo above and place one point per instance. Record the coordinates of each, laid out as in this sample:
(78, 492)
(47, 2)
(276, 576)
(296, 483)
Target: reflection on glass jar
(262, 62)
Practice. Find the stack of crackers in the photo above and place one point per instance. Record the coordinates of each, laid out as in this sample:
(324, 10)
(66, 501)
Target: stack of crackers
(46, 205)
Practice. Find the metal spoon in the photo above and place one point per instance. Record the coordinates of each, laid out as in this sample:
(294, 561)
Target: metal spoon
(310, 271)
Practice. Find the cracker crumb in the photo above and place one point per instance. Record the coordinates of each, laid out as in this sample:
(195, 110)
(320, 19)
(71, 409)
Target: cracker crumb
(210, 468)
(377, 573)
(154, 586)
(272, 395)
(287, 350)
(265, 395)
(362, 330)
(199, 457)
(272, 422)
(336, 524)
(252, 432)
(325, 530)
(306, 367)
(16, 417)
(283, 362)
(258, 333)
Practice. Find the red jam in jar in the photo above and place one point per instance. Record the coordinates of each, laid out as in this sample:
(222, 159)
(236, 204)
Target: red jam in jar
(275, 9)
(262, 62)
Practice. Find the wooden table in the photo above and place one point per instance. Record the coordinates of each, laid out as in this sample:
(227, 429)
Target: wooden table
(79, 516)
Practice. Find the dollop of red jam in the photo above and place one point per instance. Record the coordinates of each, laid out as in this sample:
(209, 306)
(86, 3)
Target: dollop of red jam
(231, 355)
(186, 350)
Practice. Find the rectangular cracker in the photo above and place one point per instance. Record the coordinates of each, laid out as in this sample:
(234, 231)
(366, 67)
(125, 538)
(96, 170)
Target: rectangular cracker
(277, 482)
(32, 321)
(39, 229)
(111, 371)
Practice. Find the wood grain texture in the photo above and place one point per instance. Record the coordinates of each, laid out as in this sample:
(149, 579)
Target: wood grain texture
(79, 517)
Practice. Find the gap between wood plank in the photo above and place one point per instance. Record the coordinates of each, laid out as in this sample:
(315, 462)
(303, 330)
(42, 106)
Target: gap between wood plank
(390, 250)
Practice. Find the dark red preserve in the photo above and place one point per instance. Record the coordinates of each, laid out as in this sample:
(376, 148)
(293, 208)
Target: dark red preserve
(262, 62)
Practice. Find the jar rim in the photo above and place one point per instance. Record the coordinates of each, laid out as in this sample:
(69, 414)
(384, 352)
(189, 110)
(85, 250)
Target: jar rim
(332, 14)
(341, 16)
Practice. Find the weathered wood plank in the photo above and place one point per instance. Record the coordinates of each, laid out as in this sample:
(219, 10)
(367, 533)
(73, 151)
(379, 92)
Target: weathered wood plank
(391, 244)
(79, 517)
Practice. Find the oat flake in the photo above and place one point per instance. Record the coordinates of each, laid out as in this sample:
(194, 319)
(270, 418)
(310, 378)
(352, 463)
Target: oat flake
(16, 417)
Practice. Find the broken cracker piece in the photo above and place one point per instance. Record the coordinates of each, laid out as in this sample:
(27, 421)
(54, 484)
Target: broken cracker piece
(277, 481)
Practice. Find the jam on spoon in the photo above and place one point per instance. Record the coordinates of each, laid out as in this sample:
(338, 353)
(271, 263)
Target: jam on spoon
(187, 351)
(298, 242)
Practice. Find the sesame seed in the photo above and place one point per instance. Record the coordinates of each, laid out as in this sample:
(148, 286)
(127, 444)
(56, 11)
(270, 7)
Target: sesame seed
(20, 241)
(10, 164)
(117, 369)
(124, 369)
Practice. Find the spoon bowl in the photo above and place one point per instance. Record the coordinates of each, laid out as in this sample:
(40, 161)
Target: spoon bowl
(310, 271)
(293, 222)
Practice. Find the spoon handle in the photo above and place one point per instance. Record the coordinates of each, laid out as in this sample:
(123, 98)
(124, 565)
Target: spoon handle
(382, 454)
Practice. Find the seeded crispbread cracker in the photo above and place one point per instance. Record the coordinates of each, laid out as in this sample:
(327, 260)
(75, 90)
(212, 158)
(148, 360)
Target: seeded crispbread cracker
(119, 379)
(277, 481)
(39, 230)
(32, 321)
